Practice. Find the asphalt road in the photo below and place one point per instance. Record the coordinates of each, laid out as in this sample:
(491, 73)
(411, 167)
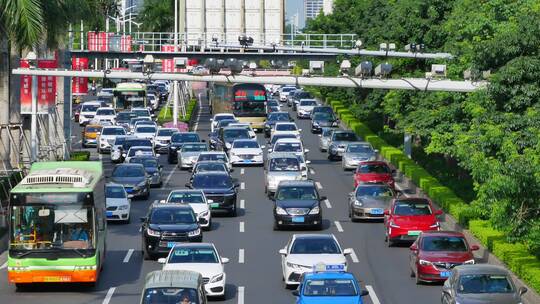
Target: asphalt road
(254, 273)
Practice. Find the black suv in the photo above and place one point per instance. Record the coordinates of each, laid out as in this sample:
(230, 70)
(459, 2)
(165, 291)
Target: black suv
(297, 204)
(165, 225)
(177, 140)
(219, 187)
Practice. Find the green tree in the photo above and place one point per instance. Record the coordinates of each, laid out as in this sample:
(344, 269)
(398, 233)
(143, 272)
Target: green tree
(157, 16)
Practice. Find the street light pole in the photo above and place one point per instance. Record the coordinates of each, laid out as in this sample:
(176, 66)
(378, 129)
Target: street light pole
(32, 62)
(175, 83)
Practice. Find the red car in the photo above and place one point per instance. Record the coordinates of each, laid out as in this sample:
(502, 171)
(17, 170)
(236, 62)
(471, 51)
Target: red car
(373, 172)
(435, 253)
(407, 217)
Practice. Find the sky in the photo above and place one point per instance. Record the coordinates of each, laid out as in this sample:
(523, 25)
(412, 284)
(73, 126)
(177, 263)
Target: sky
(293, 6)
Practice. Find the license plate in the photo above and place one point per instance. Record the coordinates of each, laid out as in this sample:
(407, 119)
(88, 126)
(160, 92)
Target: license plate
(247, 160)
(214, 205)
(377, 211)
(56, 279)
(414, 232)
(171, 244)
(109, 214)
(445, 274)
(298, 219)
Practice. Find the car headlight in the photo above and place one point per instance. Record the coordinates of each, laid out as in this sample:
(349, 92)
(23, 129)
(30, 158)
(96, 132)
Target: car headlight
(315, 210)
(227, 145)
(281, 211)
(334, 124)
(315, 124)
(393, 225)
(217, 278)
(358, 203)
(123, 207)
(469, 262)
(194, 232)
(156, 174)
(203, 214)
(294, 266)
(436, 225)
(151, 232)
(260, 153)
(424, 262)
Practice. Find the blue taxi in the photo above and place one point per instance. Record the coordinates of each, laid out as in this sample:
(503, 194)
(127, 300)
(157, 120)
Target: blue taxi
(329, 284)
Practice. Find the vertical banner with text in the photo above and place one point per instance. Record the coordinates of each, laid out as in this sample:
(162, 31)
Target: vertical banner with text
(26, 90)
(46, 87)
(79, 85)
(168, 64)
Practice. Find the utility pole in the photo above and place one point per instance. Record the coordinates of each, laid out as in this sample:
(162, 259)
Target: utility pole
(175, 83)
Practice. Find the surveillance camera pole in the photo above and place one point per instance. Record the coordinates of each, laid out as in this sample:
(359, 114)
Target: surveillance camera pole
(175, 83)
(33, 121)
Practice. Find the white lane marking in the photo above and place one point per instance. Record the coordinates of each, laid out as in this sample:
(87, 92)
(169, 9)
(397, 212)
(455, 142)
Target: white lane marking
(242, 204)
(354, 257)
(372, 295)
(338, 226)
(243, 186)
(170, 175)
(140, 229)
(100, 156)
(242, 227)
(398, 187)
(241, 290)
(79, 142)
(128, 255)
(196, 126)
(109, 295)
(319, 186)
(327, 203)
(311, 171)
(4, 265)
(242, 171)
(241, 256)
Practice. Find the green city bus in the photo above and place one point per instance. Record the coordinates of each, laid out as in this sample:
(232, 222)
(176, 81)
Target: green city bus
(58, 224)
(129, 95)
(246, 101)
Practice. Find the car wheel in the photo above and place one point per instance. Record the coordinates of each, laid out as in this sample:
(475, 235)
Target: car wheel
(128, 220)
(84, 145)
(233, 212)
(147, 195)
(330, 156)
(276, 226)
(209, 226)
(417, 279)
(147, 255)
(390, 243)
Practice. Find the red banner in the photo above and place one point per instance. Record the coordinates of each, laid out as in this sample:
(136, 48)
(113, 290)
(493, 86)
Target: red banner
(168, 64)
(46, 86)
(98, 41)
(26, 90)
(125, 43)
(79, 85)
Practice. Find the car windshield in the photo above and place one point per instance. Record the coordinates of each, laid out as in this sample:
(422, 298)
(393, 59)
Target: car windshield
(89, 108)
(373, 168)
(225, 122)
(115, 192)
(444, 243)
(344, 136)
(219, 157)
(288, 89)
(140, 151)
(212, 181)
(92, 129)
(120, 140)
(146, 162)
(315, 246)
(206, 167)
(359, 149)
(136, 142)
(281, 136)
(302, 95)
(105, 112)
(113, 131)
(186, 198)
(185, 137)
(170, 295)
(323, 110)
(322, 116)
(327, 132)
(141, 112)
(223, 117)
(166, 132)
(288, 147)
(231, 134)
(308, 102)
(245, 144)
(124, 116)
(285, 127)
(173, 216)
(128, 171)
(411, 208)
(330, 288)
(146, 129)
(296, 193)
(278, 117)
(377, 190)
(193, 255)
(194, 148)
(484, 283)
(284, 164)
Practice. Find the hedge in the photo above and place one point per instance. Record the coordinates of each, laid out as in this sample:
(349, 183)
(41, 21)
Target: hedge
(80, 155)
(516, 256)
(166, 115)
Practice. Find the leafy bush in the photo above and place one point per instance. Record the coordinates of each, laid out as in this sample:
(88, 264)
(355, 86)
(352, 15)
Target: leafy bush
(166, 113)
(80, 155)
(485, 233)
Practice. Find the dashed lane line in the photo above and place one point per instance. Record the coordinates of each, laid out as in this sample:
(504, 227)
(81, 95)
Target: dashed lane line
(242, 171)
(318, 184)
(242, 186)
(242, 204)
(327, 203)
(170, 175)
(354, 257)
(241, 256)
(311, 171)
(338, 226)
(4, 266)
(109, 295)
(372, 295)
(241, 290)
(242, 227)
(196, 126)
(128, 255)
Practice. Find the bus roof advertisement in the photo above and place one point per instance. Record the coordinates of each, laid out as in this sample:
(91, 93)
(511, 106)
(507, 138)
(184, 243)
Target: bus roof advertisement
(79, 85)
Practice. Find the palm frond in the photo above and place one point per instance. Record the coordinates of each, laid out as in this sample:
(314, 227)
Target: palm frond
(23, 21)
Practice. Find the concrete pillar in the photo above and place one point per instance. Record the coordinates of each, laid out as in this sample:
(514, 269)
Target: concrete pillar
(17, 148)
(4, 101)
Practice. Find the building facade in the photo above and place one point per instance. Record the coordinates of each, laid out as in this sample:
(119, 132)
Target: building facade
(312, 8)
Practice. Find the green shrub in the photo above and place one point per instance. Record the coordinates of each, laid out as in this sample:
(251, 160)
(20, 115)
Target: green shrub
(334, 103)
(166, 113)
(530, 273)
(485, 233)
(80, 155)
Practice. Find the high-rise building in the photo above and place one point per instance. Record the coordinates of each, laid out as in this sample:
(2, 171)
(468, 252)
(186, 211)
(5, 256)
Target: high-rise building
(313, 8)
(131, 6)
(328, 6)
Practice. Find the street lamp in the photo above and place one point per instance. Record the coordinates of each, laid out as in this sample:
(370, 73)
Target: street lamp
(148, 64)
(31, 58)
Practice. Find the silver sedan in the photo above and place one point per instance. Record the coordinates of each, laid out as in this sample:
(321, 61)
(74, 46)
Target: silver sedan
(355, 153)
(368, 201)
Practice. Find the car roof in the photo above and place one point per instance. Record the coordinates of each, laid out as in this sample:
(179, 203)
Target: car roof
(279, 112)
(212, 173)
(129, 165)
(141, 147)
(111, 184)
(112, 127)
(285, 123)
(412, 200)
(93, 103)
(282, 155)
(245, 139)
(224, 114)
(186, 190)
(171, 205)
(93, 126)
(329, 275)
(442, 233)
(344, 131)
(288, 140)
(173, 278)
(481, 269)
(105, 108)
(213, 153)
(195, 245)
(313, 236)
(234, 128)
(300, 183)
(373, 162)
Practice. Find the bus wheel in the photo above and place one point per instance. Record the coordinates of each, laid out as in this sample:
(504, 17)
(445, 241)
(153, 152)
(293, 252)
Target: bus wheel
(21, 287)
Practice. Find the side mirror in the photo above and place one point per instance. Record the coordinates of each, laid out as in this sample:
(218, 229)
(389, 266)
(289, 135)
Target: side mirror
(351, 194)
(143, 219)
(299, 130)
(236, 185)
(522, 290)
(157, 154)
(320, 135)
(269, 150)
(347, 251)
(188, 185)
(124, 154)
(162, 201)
(308, 162)
(322, 198)
(295, 293)
(306, 150)
(393, 170)
(210, 201)
(162, 260)
(364, 293)
(224, 260)
(414, 247)
(203, 140)
(475, 247)
(386, 212)
(283, 251)
(439, 212)
(263, 147)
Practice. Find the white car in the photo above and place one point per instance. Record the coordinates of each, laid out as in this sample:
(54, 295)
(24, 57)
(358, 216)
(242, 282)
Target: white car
(138, 151)
(285, 128)
(162, 139)
(197, 201)
(153, 100)
(144, 131)
(142, 112)
(292, 145)
(252, 133)
(246, 151)
(117, 203)
(107, 136)
(88, 111)
(202, 258)
(284, 93)
(304, 251)
(219, 117)
(304, 108)
(105, 114)
(215, 156)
